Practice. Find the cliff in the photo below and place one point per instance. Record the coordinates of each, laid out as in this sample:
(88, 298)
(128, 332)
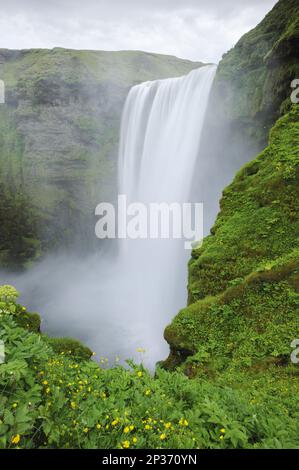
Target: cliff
(59, 130)
(252, 89)
(253, 82)
(243, 281)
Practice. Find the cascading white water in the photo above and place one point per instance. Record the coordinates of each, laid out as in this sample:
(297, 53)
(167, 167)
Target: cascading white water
(159, 146)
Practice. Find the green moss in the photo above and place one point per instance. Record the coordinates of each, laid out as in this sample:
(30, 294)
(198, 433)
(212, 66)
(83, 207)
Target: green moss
(69, 346)
(29, 321)
(258, 220)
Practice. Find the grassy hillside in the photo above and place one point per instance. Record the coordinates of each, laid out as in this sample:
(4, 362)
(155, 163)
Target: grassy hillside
(59, 130)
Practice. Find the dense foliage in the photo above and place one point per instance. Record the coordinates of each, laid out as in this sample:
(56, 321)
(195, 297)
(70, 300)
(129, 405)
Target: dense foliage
(56, 400)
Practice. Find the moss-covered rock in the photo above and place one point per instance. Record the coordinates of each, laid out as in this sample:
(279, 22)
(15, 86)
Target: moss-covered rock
(251, 90)
(253, 82)
(243, 281)
(69, 346)
(30, 321)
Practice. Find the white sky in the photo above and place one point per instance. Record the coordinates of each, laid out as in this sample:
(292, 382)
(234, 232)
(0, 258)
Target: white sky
(191, 29)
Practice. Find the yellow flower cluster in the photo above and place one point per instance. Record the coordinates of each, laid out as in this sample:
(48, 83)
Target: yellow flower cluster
(183, 422)
(127, 429)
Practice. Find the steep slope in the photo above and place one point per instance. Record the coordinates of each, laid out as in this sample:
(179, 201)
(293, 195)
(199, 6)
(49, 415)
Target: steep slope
(252, 89)
(243, 281)
(254, 78)
(59, 132)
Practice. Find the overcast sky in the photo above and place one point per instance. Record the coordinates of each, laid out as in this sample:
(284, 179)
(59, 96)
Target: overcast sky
(192, 29)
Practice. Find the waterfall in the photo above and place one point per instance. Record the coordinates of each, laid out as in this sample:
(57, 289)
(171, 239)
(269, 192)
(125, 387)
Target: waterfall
(116, 304)
(159, 146)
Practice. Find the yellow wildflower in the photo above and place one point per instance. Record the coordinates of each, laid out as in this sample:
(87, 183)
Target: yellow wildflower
(139, 373)
(126, 430)
(147, 392)
(221, 437)
(15, 439)
(85, 430)
(167, 425)
(134, 440)
(45, 382)
(183, 422)
(222, 430)
(163, 436)
(126, 444)
(73, 404)
(14, 405)
(98, 426)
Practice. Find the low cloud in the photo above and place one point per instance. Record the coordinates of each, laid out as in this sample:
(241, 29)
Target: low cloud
(192, 29)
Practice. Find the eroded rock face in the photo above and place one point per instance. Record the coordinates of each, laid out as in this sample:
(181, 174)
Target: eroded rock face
(59, 134)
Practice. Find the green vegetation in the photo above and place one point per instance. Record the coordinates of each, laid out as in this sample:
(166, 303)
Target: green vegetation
(52, 399)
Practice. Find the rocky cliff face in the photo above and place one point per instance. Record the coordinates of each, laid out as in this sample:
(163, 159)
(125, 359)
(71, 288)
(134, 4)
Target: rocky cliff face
(59, 134)
(253, 82)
